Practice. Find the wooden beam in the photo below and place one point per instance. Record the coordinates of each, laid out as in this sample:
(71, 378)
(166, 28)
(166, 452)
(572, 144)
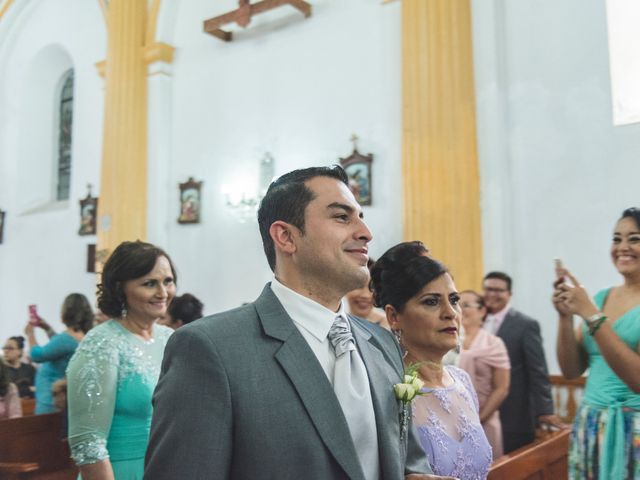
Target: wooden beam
(240, 16)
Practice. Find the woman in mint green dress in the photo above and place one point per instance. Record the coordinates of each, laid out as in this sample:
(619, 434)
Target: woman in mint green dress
(112, 375)
(605, 440)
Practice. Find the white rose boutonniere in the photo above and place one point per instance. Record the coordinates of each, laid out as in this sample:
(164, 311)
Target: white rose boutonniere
(406, 392)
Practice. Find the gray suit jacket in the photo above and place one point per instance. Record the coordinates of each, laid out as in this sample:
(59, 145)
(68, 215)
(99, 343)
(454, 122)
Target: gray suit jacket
(530, 390)
(242, 396)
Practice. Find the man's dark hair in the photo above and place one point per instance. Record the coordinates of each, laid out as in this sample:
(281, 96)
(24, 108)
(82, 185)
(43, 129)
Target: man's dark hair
(186, 308)
(401, 273)
(128, 261)
(633, 213)
(499, 276)
(287, 199)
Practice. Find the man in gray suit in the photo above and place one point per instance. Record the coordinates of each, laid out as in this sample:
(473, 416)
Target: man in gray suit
(529, 402)
(263, 391)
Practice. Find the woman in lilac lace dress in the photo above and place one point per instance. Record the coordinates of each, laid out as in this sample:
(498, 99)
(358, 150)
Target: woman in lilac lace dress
(421, 304)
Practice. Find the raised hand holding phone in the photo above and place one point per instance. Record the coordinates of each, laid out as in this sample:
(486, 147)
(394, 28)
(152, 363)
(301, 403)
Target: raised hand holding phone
(34, 318)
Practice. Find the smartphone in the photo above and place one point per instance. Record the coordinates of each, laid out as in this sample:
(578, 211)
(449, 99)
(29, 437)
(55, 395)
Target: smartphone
(559, 267)
(34, 318)
(560, 271)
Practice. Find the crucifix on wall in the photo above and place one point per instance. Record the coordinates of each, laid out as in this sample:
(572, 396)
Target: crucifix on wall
(242, 15)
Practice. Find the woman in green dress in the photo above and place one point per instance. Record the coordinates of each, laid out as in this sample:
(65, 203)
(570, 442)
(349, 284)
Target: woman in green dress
(605, 441)
(113, 373)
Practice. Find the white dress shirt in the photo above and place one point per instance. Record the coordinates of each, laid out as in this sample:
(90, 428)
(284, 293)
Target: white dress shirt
(314, 321)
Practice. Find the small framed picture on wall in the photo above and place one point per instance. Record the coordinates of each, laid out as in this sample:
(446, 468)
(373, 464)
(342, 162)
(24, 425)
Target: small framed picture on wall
(88, 214)
(358, 169)
(190, 201)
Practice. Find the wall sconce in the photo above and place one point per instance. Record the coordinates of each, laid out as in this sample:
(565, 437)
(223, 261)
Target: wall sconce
(243, 199)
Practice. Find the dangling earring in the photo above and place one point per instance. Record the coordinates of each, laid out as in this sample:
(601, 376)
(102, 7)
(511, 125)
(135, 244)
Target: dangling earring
(398, 335)
(123, 313)
(458, 348)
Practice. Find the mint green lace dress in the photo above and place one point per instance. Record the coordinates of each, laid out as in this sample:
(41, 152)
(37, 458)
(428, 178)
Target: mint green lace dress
(605, 440)
(111, 379)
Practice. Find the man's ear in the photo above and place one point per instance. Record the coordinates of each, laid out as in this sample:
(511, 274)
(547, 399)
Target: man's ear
(392, 317)
(282, 234)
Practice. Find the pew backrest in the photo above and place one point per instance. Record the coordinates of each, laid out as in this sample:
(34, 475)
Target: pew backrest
(542, 460)
(34, 439)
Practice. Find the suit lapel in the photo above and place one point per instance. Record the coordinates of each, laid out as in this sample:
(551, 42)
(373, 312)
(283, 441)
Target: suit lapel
(382, 377)
(506, 324)
(308, 378)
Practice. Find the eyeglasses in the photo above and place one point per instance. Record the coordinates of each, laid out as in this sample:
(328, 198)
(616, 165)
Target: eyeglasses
(495, 290)
(469, 305)
(9, 348)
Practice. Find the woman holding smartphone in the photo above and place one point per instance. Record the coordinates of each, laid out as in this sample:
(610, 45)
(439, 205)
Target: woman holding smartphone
(55, 355)
(605, 441)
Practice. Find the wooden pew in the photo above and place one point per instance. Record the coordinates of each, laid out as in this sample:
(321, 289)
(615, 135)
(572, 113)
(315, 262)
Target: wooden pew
(544, 459)
(31, 448)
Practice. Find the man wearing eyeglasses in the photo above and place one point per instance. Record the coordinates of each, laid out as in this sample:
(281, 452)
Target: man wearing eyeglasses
(529, 402)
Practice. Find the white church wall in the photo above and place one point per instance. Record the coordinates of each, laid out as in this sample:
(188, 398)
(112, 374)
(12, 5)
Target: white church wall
(554, 170)
(293, 87)
(42, 258)
(556, 174)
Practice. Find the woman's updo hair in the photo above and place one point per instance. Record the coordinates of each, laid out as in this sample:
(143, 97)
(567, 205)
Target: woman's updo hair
(633, 213)
(77, 313)
(401, 273)
(128, 261)
(19, 341)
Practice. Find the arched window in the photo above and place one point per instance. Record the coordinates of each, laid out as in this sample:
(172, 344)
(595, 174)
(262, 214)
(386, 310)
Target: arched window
(65, 116)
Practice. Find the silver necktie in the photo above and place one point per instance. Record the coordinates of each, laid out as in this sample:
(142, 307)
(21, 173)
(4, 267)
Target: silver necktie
(351, 386)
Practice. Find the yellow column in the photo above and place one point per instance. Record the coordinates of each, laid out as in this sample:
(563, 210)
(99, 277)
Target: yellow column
(123, 188)
(440, 164)
(4, 6)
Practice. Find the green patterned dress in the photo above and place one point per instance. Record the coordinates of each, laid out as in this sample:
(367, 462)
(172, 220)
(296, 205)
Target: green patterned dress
(111, 379)
(605, 441)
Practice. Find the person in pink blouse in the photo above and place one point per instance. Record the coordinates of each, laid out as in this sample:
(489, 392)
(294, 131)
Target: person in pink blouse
(484, 357)
(10, 406)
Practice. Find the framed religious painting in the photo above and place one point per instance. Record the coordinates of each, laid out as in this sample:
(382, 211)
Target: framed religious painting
(88, 214)
(358, 168)
(2, 215)
(190, 201)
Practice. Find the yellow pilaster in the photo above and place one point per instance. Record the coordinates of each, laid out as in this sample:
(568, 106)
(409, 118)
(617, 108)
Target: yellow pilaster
(4, 6)
(440, 164)
(123, 186)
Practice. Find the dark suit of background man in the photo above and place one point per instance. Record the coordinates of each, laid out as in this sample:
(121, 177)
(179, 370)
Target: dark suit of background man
(529, 402)
(250, 393)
